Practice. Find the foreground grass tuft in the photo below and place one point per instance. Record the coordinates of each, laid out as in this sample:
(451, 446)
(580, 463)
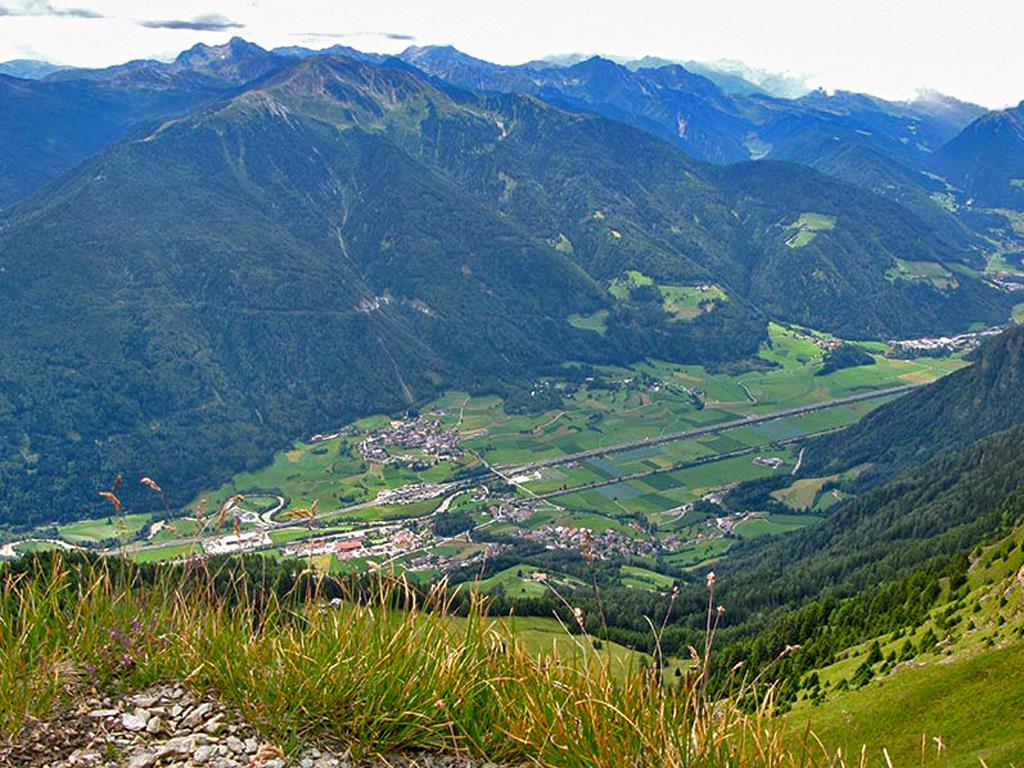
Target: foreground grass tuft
(388, 672)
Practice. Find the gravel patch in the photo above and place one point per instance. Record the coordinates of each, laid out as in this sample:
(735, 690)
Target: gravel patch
(169, 727)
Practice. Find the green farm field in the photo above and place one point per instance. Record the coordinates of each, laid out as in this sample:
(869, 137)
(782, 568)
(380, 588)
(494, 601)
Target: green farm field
(642, 578)
(519, 581)
(773, 525)
(594, 418)
(807, 227)
(104, 529)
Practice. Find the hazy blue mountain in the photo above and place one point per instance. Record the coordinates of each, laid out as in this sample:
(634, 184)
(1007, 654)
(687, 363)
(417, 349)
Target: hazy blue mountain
(736, 77)
(986, 160)
(28, 69)
(723, 124)
(50, 125)
(301, 52)
(666, 99)
(671, 102)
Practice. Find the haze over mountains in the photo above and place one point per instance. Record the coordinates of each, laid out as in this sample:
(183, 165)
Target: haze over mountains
(204, 258)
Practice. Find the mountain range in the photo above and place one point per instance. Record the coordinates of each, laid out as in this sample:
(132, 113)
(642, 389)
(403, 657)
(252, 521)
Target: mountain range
(203, 258)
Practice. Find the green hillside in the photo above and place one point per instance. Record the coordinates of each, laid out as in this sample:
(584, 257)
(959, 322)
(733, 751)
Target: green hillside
(217, 299)
(979, 400)
(952, 681)
(350, 238)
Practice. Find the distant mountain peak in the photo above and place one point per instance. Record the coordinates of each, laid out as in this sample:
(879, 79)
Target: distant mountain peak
(28, 69)
(237, 60)
(415, 53)
(236, 47)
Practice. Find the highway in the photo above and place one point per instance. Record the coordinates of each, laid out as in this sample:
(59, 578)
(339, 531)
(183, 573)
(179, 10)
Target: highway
(709, 459)
(569, 458)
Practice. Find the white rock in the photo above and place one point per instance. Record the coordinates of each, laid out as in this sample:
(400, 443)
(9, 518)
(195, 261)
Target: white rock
(203, 754)
(235, 744)
(213, 725)
(195, 717)
(155, 725)
(142, 759)
(178, 746)
(135, 721)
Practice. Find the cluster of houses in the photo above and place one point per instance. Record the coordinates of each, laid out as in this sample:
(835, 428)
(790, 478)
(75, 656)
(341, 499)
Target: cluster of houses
(772, 462)
(428, 437)
(943, 344)
(513, 510)
(395, 541)
(410, 494)
(445, 563)
(607, 543)
(826, 344)
(237, 543)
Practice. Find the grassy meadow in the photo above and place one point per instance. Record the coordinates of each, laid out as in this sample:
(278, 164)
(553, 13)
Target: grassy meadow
(389, 672)
(956, 704)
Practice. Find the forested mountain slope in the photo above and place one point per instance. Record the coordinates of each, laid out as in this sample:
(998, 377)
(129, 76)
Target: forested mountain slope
(884, 560)
(187, 302)
(49, 125)
(949, 415)
(881, 564)
(344, 237)
(986, 160)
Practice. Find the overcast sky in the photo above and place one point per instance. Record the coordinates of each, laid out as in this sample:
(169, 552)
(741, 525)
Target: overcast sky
(969, 49)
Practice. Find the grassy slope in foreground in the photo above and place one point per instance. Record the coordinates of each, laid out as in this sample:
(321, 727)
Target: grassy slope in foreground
(966, 692)
(974, 705)
(374, 678)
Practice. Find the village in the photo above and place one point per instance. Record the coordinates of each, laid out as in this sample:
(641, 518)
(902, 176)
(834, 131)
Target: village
(432, 442)
(942, 345)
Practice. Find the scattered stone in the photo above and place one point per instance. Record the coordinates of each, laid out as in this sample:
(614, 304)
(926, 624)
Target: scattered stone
(213, 725)
(167, 727)
(195, 717)
(135, 721)
(142, 760)
(203, 754)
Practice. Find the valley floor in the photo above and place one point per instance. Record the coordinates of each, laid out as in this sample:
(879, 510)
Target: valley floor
(627, 453)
